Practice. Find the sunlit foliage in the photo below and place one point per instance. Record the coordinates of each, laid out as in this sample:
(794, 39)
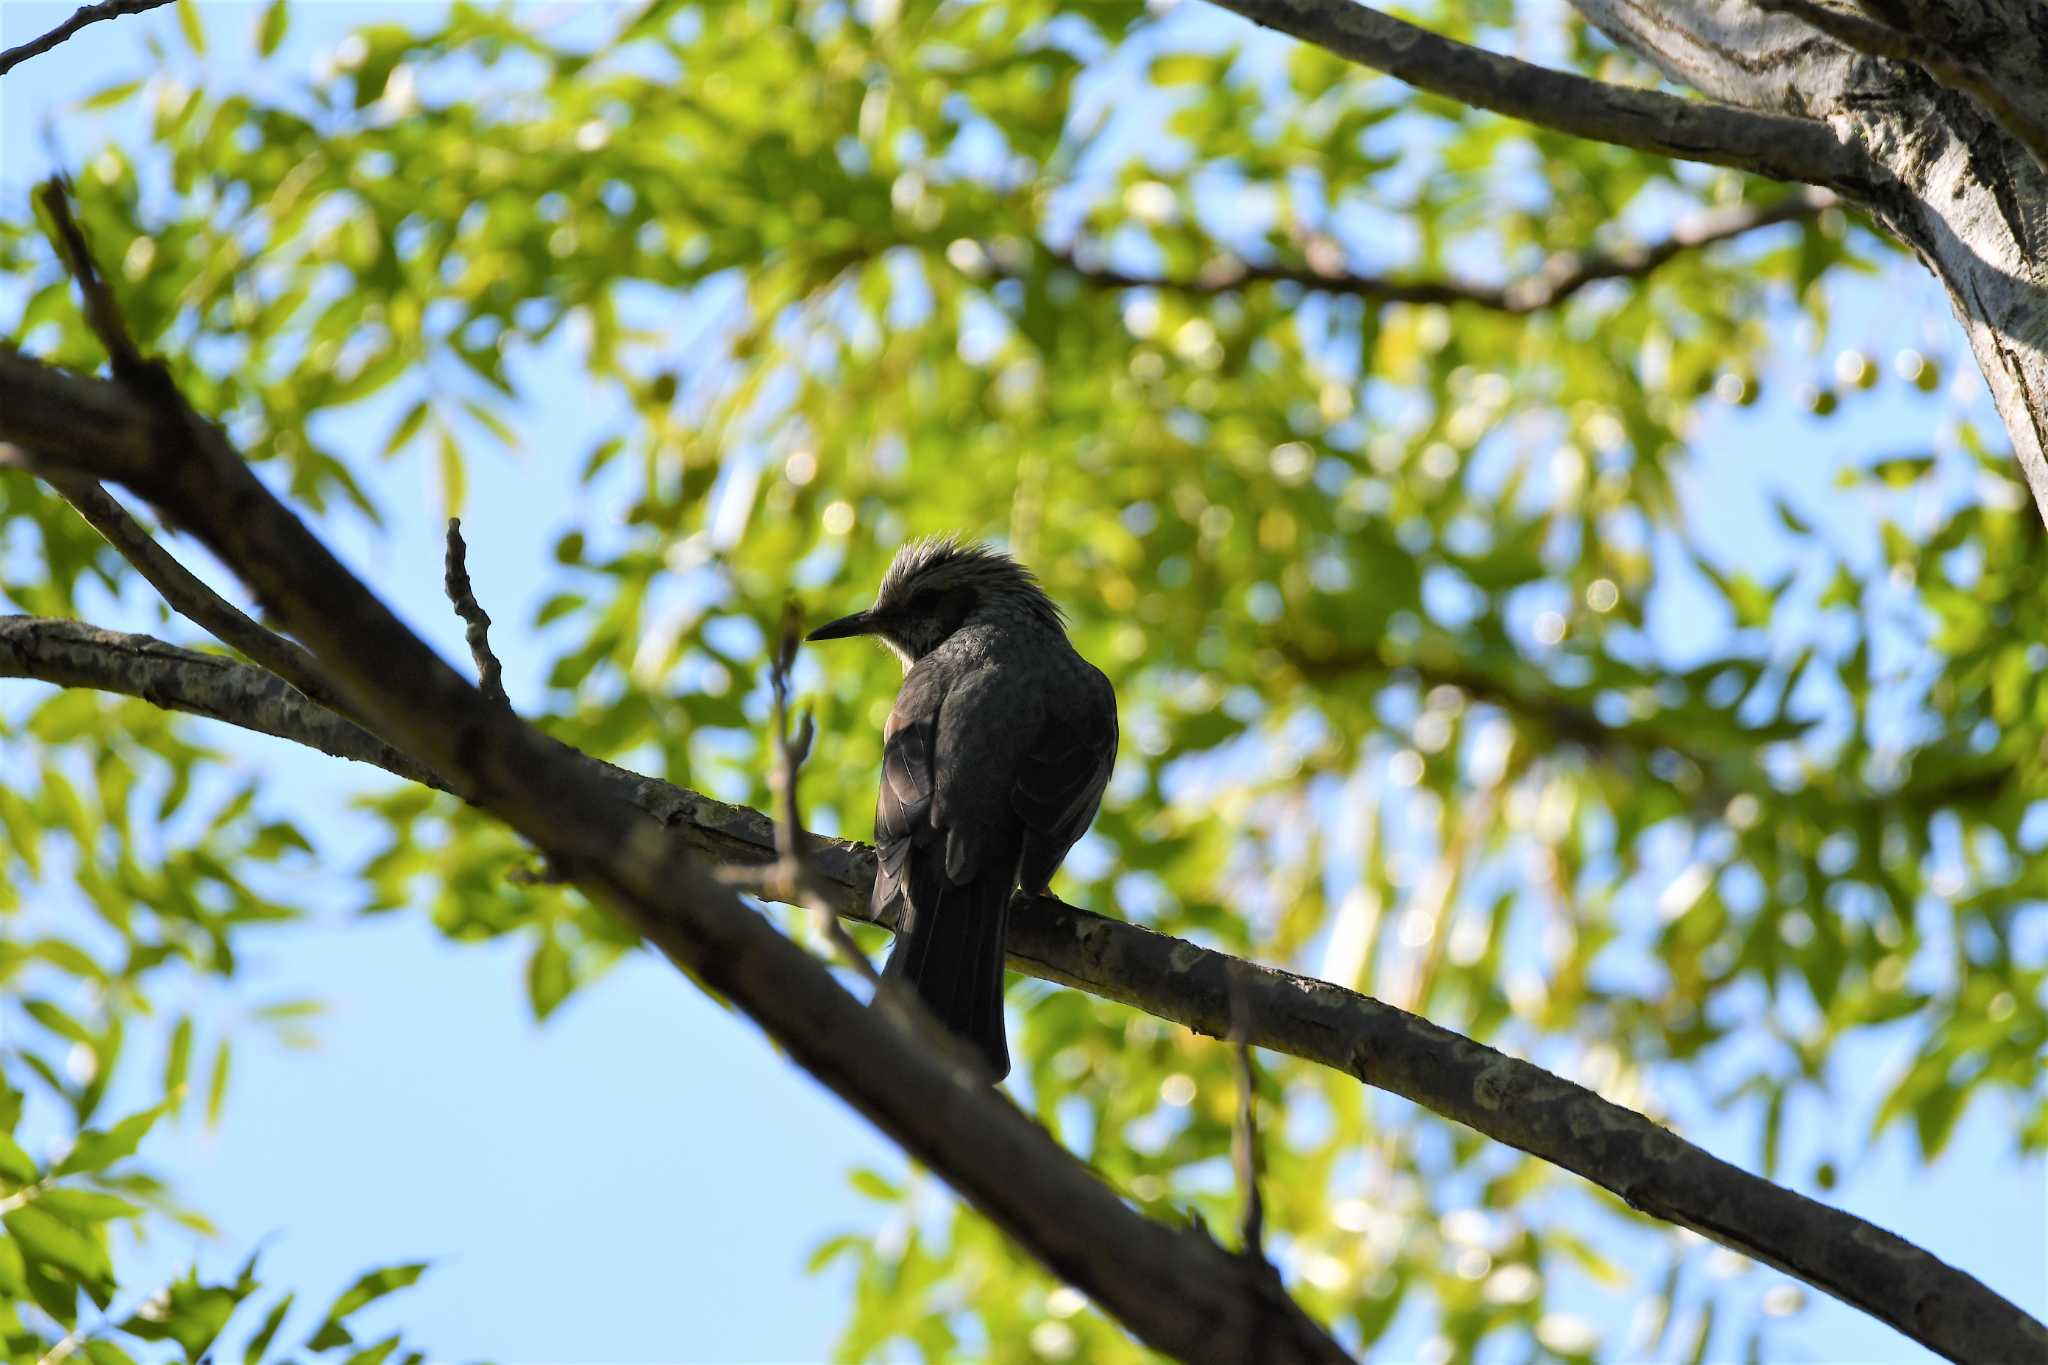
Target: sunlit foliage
(1378, 584)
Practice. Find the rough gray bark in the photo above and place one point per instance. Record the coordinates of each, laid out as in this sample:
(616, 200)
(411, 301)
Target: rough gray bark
(1173, 1287)
(72, 654)
(1508, 1100)
(1950, 169)
(1963, 191)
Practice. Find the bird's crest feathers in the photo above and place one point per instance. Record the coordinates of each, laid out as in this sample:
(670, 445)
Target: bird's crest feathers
(939, 563)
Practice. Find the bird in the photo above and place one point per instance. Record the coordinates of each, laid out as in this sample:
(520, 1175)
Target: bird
(994, 761)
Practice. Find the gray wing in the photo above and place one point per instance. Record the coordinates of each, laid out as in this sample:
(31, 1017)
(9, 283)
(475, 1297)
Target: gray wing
(972, 759)
(1062, 775)
(903, 806)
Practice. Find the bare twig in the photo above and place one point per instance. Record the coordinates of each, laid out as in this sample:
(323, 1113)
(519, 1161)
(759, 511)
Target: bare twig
(88, 14)
(793, 879)
(183, 590)
(102, 311)
(490, 674)
(1510, 1101)
(1799, 150)
(189, 596)
(594, 820)
(1562, 276)
(1873, 38)
(940, 1112)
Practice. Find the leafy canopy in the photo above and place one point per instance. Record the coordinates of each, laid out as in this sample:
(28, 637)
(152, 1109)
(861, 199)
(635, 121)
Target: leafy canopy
(1430, 684)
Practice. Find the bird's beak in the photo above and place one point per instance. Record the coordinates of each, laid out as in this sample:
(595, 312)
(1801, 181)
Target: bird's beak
(860, 623)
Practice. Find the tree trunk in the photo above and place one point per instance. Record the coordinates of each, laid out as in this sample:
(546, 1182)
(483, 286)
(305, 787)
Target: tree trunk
(1953, 139)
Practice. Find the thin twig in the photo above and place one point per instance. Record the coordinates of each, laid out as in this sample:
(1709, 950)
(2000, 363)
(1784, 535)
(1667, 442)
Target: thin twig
(1144, 1274)
(1510, 1101)
(89, 14)
(1562, 276)
(183, 590)
(189, 596)
(1244, 1135)
(102, 313)
(1141, 1271)
(792, 877)
(1948, 67)
(489, 673)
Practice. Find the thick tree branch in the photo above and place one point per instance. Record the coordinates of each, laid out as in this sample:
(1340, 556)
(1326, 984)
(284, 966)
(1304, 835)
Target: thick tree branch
(71, 654)
(1961, 190)
(1174, 1288)
(1562, 276)
(1510, 1101)
(1179, 1292)
(88, 14)
(1874, 39)
(1767, 144)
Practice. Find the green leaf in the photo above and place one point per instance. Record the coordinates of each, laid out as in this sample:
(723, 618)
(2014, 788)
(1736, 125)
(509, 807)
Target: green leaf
(70, 957)
(49, 1241)
(187, 1312)
(57, 1021)
(452, 479)
(548, 976)
(86, 1206)
(368, 1289)
(178, 1063)
(407, 427)
(217, 1089)
(98, 1150)
(832, 1248)
(874, 1185)
(1185, 69)
(270, 32)
(189, 23)
(284, 1011)
(13, 1271)
(16, 1164)
(1934, 1118)
(492, 423)
(110, 96)
(374, 1355)
(267, 1332)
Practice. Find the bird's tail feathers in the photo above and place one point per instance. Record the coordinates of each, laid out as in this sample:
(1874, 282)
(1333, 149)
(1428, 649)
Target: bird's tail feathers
(950, 948)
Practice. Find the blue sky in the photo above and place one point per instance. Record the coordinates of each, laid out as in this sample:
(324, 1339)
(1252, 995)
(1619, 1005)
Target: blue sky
(642, 1178)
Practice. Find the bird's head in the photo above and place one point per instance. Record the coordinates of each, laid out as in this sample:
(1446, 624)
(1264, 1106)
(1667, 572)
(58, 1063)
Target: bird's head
(936, 585)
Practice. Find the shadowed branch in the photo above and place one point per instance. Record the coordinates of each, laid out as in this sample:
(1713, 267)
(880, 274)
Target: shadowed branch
(791, 878)
(87, 14)
(1793, 149)
(1174, 1288)
(476, 623)
(629, 841)
(1562, 276)
(1653, 1169)
(1876, 39)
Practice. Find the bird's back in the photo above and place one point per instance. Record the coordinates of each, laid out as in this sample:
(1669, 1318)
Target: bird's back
(994, 761)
